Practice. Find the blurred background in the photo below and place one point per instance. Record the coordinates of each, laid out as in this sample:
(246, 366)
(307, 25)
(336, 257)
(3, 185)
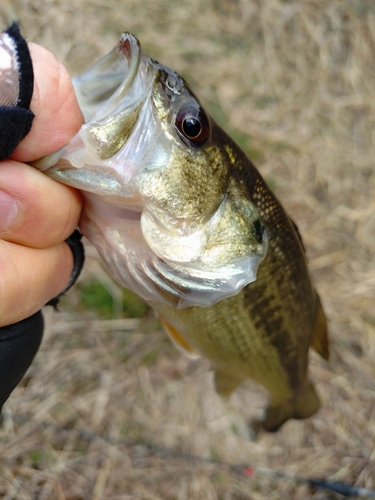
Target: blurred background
(293, 82)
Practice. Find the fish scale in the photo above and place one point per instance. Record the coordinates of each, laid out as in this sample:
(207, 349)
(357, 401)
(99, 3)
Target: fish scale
(239, 351)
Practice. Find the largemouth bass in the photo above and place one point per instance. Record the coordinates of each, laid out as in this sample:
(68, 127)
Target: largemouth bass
(182, 217)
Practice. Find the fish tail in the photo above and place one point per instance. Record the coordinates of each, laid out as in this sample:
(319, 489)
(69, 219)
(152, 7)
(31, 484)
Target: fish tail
(302, 405)
(319, 341)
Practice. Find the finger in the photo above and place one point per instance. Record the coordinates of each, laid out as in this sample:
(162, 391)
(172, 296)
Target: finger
(35, 210)
(57, 114)
(30, 278)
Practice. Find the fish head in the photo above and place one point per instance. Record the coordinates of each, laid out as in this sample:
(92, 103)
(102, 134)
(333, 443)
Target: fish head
(161, 202)
(187, 180)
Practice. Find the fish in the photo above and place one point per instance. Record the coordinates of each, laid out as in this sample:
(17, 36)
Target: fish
(181, 216)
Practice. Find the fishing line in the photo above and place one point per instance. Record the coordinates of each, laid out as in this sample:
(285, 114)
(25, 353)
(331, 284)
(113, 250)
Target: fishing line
(244, 470)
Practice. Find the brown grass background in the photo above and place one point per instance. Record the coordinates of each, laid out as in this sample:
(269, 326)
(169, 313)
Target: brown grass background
(294, 83)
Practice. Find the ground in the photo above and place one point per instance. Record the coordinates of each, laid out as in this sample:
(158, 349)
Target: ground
(293, 82)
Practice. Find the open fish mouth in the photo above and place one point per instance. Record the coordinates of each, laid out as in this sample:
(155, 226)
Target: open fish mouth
(110, 96)
(109, 101)
(109, 80)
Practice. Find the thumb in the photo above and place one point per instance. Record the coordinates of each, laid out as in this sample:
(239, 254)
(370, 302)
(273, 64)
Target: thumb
(57, 114)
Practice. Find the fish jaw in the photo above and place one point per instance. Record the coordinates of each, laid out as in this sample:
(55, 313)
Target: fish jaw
(112, 96)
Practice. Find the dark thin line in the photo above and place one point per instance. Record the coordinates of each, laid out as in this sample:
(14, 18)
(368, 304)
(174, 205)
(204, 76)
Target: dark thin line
(244, 470)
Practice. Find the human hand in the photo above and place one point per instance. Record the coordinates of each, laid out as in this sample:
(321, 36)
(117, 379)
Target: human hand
(36, 213)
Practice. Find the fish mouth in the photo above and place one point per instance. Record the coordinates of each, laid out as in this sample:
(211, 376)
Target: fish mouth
(101, 89)
(111, 95)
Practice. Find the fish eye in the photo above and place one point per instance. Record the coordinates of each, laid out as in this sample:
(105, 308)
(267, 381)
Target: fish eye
(192, 124)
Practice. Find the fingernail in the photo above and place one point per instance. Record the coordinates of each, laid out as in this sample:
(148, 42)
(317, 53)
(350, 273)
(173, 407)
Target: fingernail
(8, 210)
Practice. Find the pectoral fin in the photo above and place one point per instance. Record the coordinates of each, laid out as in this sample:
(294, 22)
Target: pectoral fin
(178, 339)
(226, 383)
(319, 341)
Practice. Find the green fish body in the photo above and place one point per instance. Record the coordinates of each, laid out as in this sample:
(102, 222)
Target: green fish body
(264, 332)
(182, 217)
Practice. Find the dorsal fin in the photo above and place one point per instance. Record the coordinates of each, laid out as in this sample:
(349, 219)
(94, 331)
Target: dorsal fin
(298, 233)
(319, 341)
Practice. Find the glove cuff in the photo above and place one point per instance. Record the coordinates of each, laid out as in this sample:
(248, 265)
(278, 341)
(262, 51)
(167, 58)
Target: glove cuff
(16, 90)
(77, 248)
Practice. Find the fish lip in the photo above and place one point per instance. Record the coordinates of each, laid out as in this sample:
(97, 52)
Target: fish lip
(100, 90)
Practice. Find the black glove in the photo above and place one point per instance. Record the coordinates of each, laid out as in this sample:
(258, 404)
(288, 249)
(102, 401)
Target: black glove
(16, 91)
(20, 342)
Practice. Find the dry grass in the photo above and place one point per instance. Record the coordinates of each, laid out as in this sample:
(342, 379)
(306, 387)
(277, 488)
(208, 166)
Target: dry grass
(294, 82)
